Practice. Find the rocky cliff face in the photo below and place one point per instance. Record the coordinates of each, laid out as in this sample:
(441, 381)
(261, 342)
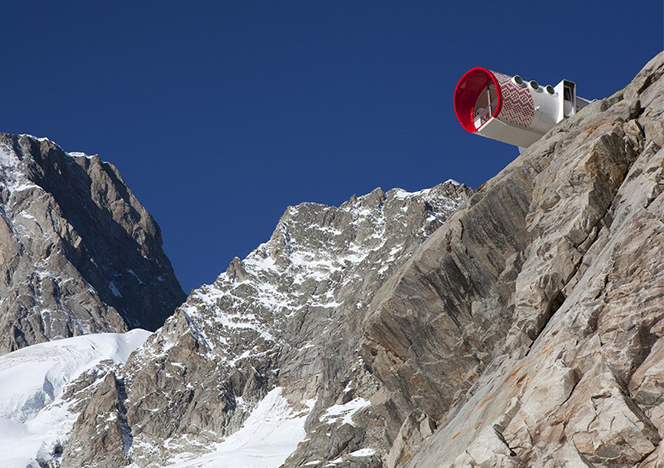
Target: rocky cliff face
(544, 296)
(290, 316)
(78, 252)
(525, 331)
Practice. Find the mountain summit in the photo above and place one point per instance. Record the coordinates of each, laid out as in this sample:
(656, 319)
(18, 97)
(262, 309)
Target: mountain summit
(78, 253)
(287, 319)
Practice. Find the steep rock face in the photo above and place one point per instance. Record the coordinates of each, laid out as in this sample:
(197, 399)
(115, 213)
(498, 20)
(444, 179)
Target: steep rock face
(104, 423)
(289, 315)
(524, 332)
(78, 252)
(529, 326)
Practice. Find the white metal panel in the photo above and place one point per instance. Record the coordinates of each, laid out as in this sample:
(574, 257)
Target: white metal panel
(546, 110)
(525, 111)
(511, 134)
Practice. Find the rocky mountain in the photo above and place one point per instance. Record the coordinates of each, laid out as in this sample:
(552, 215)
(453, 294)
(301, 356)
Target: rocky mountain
(289, 316)
(36, 411)
(517, 326)
(78, 253)
(561, 260)
(549, 352)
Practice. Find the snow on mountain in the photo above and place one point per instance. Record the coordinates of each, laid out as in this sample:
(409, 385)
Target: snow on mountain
(34, 418)
(267, 437)
(289, 317)
(524, 332)
(315, 256)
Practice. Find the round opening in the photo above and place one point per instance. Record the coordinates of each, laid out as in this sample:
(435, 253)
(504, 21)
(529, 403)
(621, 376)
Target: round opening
(477, 98)
(534, 85)
(550, 90)
(518, 80)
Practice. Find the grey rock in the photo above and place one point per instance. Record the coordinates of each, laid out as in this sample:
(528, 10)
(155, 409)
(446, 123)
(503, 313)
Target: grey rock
(104, 422)
(415, 429)
(288, 315)
(524, 331)
(78, 253)
(573, 381)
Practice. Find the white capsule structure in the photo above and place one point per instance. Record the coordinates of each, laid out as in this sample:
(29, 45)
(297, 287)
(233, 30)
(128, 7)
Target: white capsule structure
(510, 109)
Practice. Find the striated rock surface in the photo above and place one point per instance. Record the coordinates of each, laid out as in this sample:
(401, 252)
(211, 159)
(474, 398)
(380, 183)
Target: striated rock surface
(103, 422)
(530, 325)
(289, 316)
(78, 253)
(525, 331)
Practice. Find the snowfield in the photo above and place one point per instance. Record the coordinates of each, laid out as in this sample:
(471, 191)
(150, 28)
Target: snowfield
(33, 416)
(266, 439)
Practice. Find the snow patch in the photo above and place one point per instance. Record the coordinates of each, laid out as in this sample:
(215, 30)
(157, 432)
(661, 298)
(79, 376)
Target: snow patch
(77, 154)
(345, 412)
(35, 137)
(270, 434)
(131, 272)
(402, 194)
(114, 289)
(365, 452)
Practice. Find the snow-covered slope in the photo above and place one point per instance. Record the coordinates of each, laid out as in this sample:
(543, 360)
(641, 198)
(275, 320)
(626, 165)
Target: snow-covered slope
(35, 419)
(267, 437)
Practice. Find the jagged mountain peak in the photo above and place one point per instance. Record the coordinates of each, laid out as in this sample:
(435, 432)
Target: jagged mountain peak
(80, 253)
(270, 320)
(315, 247)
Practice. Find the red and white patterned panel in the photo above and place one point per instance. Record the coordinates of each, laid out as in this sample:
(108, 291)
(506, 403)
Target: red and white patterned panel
(518, 107)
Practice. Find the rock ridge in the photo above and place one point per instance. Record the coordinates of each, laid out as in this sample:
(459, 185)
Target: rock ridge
(578, 332)
(289, 316)
(517, 326)
(79, 254)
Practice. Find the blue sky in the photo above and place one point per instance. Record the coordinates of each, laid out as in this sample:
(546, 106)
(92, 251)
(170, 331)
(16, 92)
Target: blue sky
(220, 114)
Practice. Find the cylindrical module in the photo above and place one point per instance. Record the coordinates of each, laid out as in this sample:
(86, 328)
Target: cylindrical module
(509, 109)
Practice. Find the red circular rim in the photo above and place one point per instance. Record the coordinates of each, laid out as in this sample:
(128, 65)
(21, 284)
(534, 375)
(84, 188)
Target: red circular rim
(468, 90)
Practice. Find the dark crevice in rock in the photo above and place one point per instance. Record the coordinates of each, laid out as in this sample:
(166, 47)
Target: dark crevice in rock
(555, 304)
(646, 455)
(196, 333)
(125, 429)
(500, 436)
(577, 380)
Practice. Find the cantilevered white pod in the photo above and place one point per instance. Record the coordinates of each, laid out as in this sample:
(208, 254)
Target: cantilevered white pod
(511, 110)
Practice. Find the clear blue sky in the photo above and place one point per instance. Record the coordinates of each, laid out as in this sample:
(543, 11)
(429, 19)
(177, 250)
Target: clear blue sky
(219, 114)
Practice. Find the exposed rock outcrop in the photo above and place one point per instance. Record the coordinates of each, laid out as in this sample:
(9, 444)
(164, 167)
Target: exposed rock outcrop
(544, 296)
(104, 424)
(525, 331)
(288, 315)
(78, 253)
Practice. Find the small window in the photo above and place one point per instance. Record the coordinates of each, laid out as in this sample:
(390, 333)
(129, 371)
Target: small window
(568, 100)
